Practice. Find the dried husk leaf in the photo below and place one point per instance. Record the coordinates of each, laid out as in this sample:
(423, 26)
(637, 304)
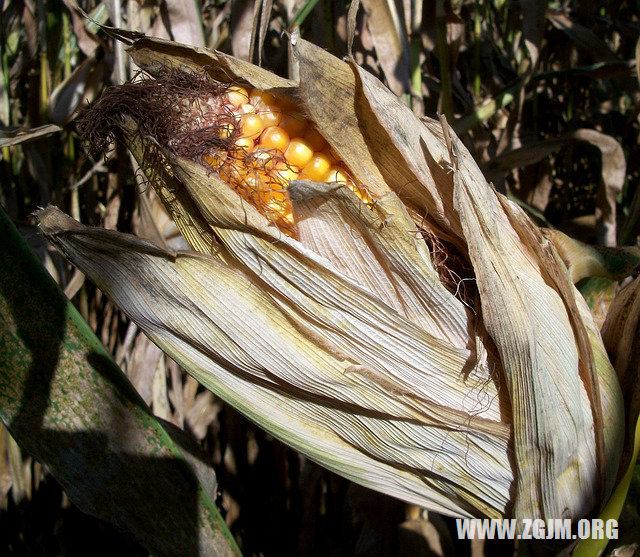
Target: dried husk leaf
(156, 55)
(560, 468)
(376, 249)
(620, 335)
(241, 343)
(314, 288)
(176, 200)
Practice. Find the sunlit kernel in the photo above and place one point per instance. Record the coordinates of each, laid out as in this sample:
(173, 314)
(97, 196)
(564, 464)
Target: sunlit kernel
(274, 138)
(261, 97)
(283, 174)
(299, 152)
(262, 159)
(245, 143)
(225, 130)
(251, 125)
(317, 168)
(270, 115)
(361, 193)
(336, 174)
(246, 108)
(237, 96)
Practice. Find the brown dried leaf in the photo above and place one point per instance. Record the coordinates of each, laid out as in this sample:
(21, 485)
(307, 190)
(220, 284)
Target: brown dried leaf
(614, 169)
(184, 22)
(87, 41)
(142, 364)
(155, 55)
(241, 28)
(15, 136)
(389, 41)
(620, 336)
(80, 88)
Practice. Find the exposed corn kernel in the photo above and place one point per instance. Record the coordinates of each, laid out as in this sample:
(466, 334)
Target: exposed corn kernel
(274, 138)
(273, 145)
(285, 173)
(251, 126)
(294, 124)
(315, 139)
(336, 174)
(270, 115)
(264, 160)
(317, 168)
(245, 143)
(237, 96)
(226, 130)
(299, 152)
(262, 97)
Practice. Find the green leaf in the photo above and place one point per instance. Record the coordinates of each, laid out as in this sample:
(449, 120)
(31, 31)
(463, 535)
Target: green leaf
(67, 403)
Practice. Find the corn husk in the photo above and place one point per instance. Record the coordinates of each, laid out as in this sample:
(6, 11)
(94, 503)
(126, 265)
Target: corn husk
(345, 342)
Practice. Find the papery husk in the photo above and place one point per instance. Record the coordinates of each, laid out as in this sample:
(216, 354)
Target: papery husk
(583, 260)
(512, 274)
(620, 335)
(547, 419)
(242, 343)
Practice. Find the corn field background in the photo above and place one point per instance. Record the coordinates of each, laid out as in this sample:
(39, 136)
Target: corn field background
(544, 94)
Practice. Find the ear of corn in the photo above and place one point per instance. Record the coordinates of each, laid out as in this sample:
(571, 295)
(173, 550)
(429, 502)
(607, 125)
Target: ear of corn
(357, 354)
(273, 144)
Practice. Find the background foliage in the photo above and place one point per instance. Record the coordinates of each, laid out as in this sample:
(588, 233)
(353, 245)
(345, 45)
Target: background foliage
(544, 94)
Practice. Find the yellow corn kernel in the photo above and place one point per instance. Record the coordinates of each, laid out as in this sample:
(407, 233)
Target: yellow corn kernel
(215, 159)
(283, 174)
(336, 174)
(317, 168)
(315, 139)
(246, 108)
(225, 130)
(274, 138)
(360, 192)
(262, 97)
(251, 125)
(299, 152)
(263, 160)
(270, 115)
(294, 124)
(327, 152)
(245, 143)
(237, 96)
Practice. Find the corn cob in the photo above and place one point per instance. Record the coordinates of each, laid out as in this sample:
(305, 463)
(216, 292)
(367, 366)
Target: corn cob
(272, 144)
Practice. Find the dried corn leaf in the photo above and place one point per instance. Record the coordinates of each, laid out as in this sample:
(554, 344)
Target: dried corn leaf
(557, 457)
(156, 55)
(15, 136)
(389, 40)
(246, 347)
(184, 22)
